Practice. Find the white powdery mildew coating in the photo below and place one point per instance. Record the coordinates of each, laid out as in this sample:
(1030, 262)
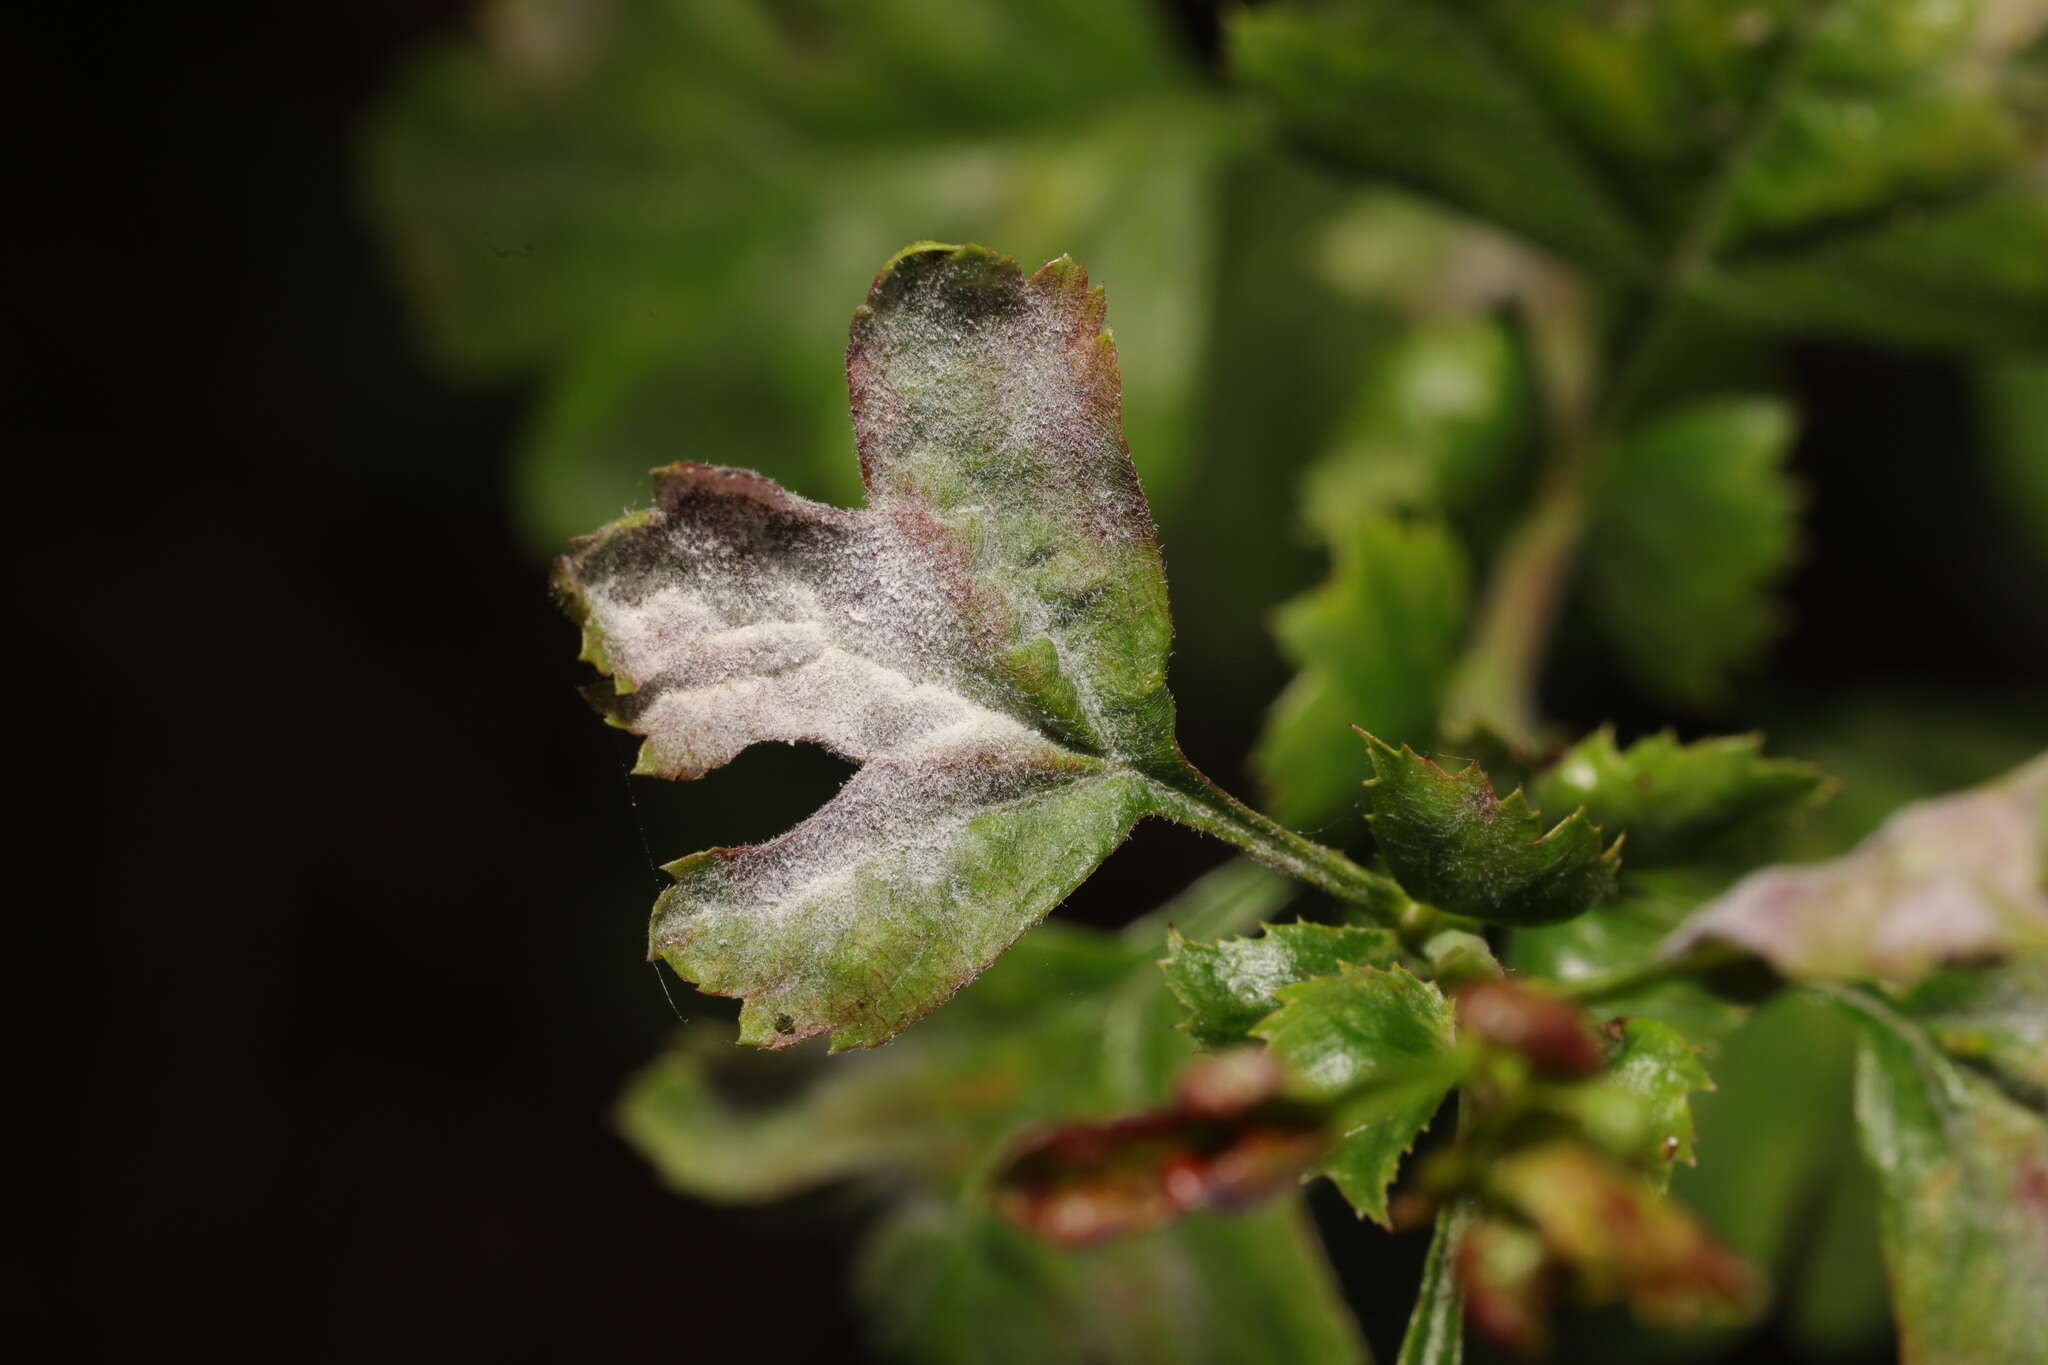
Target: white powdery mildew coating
(738, 621)
(1015, 397)
(987, 638)
(1947, 880)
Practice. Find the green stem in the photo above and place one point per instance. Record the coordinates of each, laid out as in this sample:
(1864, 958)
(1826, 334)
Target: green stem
(1436, 1330)
(1494, 686)
(1198, 803)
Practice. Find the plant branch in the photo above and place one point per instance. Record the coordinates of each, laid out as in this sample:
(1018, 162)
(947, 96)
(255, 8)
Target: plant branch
(1195, 801)
(1494, 686)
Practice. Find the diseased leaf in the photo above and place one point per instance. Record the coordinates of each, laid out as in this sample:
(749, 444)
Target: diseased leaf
(1992, 1017)
(1436, 1328)
(1955, 879)
(1693, 524)
(1455, 844)
(987, 637)
(1964, 1175)
(1870, 168)
(1230, 986)
(1339, 1033)
(1674, 800)
(1230, 1139)
(1653, 1064)
(950, 1284)
(1619, 1239)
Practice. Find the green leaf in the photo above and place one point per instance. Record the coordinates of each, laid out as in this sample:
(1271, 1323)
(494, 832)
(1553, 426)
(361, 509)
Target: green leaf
(1072, 1024)
(987, 637)
(1455, 844)
(1431, 432)
(1417, 93)
(1229, 986)
(2012, 398)
(1964, 1176)
(650, 208)
(1375, 646)
(1435, 427)
(700, 1144)
(1956, 879)
(1869, 168)
(1338, 1034)
(1626, 932)
(1693, 524)
(950, 1285)
(1436, 1329)
(1674, 800)
(1995, 1018)
(1653, 1064)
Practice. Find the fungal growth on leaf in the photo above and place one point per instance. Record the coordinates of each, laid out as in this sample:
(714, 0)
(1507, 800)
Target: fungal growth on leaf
(987, 638)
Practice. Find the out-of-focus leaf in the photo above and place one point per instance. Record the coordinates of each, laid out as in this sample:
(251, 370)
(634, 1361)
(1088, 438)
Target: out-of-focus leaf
(1620, 1239)
(1430, 434)
(1964, 1175)
(1436, 1329)
(651, 207)
(1455, 844)
(1434, 428)
(1338, 1033)
(1967, 273)
(1230, 1139)
(1230, 986)
(848, 1124)
(1625, 932)
(1673, 800)
(1549, 1032)
(1418, 94)
(1693, 523)
(1870, 168)
(1506, 1277)
(1653, 1064)
(1993, 1017)
(949, 1285)
(1375, 645)
(1073, 1024)
(1949, 880)
(1776, 1182)
(2012, 396)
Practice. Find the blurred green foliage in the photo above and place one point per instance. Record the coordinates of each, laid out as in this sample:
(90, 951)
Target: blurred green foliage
(1384, 276)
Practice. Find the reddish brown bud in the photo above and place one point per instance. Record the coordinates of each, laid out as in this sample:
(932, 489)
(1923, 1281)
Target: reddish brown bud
(1546, 1029)
(1227, 1141)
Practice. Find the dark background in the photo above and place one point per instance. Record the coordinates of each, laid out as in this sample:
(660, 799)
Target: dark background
(338, 967)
